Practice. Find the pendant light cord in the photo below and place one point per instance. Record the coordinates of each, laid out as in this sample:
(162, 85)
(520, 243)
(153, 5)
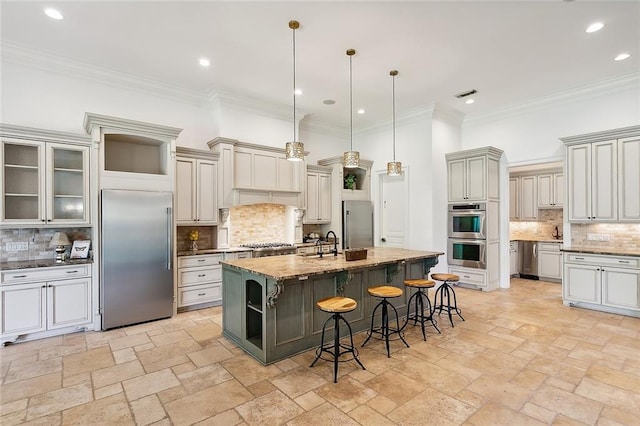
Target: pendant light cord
(294, 86)
(393, 85)
(351, 102)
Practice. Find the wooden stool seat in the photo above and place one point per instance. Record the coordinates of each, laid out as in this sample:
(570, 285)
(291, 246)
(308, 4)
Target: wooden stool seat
(337, 304)
(446, 277)
(385, 291)
(420, 283)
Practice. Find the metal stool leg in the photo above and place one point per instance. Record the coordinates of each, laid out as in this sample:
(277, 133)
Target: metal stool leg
(398, 330)
(373, 315)
(336, 347)
(353, 349)
(319, 350)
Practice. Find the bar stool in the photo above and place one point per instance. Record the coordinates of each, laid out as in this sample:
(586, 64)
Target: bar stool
(446, 290)
(385, 292)
(418, 299)
(336, 306)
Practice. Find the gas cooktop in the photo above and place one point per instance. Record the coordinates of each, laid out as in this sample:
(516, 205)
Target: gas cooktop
(270, 249)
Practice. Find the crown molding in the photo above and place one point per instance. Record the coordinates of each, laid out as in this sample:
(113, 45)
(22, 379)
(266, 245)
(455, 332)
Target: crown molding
(625, 132)
(92, 120)
(184, 151)
(258, 106)
(43, 135)
(325, 128)
(415, 115)
(485, 150)
(628, 81)
(17, 54)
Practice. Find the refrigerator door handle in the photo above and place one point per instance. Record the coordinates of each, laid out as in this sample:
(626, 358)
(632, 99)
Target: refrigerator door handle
(169, 221)
(347, 242)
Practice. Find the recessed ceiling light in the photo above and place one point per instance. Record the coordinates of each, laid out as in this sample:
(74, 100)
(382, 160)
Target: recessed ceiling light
(297, 92)
(204, 62)
(621, 57)
(361, 111)
(53, 14)
(469, 101)
(328, 102)
(596, 26)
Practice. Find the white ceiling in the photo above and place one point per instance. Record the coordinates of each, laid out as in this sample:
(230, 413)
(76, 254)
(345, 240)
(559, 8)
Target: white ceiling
(509, 51)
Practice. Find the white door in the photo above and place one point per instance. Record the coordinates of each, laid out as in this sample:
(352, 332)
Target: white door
(393, 210)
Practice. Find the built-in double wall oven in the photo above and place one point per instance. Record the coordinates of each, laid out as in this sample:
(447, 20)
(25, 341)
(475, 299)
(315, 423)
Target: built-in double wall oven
(467, 235)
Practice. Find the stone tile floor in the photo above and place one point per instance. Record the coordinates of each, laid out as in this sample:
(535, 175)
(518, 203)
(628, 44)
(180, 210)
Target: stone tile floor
(520, 358)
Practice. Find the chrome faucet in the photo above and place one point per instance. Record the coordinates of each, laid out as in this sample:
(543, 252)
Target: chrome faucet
(335, 242)
(319, 243)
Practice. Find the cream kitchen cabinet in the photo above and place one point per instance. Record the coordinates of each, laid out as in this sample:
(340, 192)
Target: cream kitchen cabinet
(550, 190)
(514, 198)
(528, 198)
(318, 195)
(265, 169)
(629, 179)
(592, 182)
(549, 261)
(46, 177)
(473, 175)
(199, 280)
(44, 299)
(514, 268)
(610, 283)
(196, 190)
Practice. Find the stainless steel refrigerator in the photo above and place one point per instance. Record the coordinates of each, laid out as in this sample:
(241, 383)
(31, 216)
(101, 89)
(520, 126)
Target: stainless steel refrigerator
(136, 277)
(357, 224)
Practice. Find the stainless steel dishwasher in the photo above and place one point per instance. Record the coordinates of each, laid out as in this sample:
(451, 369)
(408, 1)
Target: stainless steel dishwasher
(528, 251)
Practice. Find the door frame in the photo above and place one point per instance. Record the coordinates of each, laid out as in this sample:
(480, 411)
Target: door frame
(380, 203)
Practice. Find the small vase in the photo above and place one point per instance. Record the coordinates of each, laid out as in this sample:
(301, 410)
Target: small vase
(194, 245)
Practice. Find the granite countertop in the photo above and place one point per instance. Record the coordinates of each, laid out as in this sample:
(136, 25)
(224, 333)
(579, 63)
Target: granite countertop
(212, 251)
(539, 239)
(311, 244)
(292, 266)
(615, 251)
(41, 263)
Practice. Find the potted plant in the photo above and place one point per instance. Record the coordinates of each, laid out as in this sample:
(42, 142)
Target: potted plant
(350, 181)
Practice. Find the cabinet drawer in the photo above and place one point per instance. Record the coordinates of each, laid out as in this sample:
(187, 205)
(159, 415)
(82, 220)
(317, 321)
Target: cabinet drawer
(199, 294)
(619, 261)
(191, 276)
(16, 276)
(549, 246)
(475, 278)
(199, 260)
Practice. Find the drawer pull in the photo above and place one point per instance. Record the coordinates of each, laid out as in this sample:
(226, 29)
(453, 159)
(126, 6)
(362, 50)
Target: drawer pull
(202, 275)
(201, 260)
(19, 276)
(202, 294)
(466, 276)
(72, 272)
(579, 258)
(623, 261)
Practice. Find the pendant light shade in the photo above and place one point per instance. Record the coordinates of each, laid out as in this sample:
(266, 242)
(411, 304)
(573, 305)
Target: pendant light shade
(394, 168)
(351, 158)
(294, 150)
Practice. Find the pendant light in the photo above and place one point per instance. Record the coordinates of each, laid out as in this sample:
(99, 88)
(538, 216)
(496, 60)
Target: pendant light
(294, 150)
(351, 159)
(394, 168)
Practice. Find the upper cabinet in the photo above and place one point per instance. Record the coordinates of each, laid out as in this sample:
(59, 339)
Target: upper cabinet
(349, 183)
(473, 175)
(133, 154)
(528, 198)
(46, 177)
(629, 179)
(550, 190)
(602, 176)
(257, 174)
(196, 200)
(318, 195)
(514, 198)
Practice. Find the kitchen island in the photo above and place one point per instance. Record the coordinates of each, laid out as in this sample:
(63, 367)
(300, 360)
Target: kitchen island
(269, 303)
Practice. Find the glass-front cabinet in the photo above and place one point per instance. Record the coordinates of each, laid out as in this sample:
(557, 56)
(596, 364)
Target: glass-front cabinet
(44, 183)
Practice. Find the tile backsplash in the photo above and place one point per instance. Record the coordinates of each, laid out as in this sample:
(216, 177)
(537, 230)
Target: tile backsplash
(206, 237)
(548, 219)
(261, 223)
(618, 235)
(37, 241)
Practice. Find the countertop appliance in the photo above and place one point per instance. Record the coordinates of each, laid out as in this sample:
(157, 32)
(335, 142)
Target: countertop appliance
(270, 249)
(528, 259)
(136, 271)
(357, 224)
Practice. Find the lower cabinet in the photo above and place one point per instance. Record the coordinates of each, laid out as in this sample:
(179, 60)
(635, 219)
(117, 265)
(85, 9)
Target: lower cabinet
(549, 261)
(602, 281)
(43, 299)
(472, 277)
(199, 280)
(513, 258)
